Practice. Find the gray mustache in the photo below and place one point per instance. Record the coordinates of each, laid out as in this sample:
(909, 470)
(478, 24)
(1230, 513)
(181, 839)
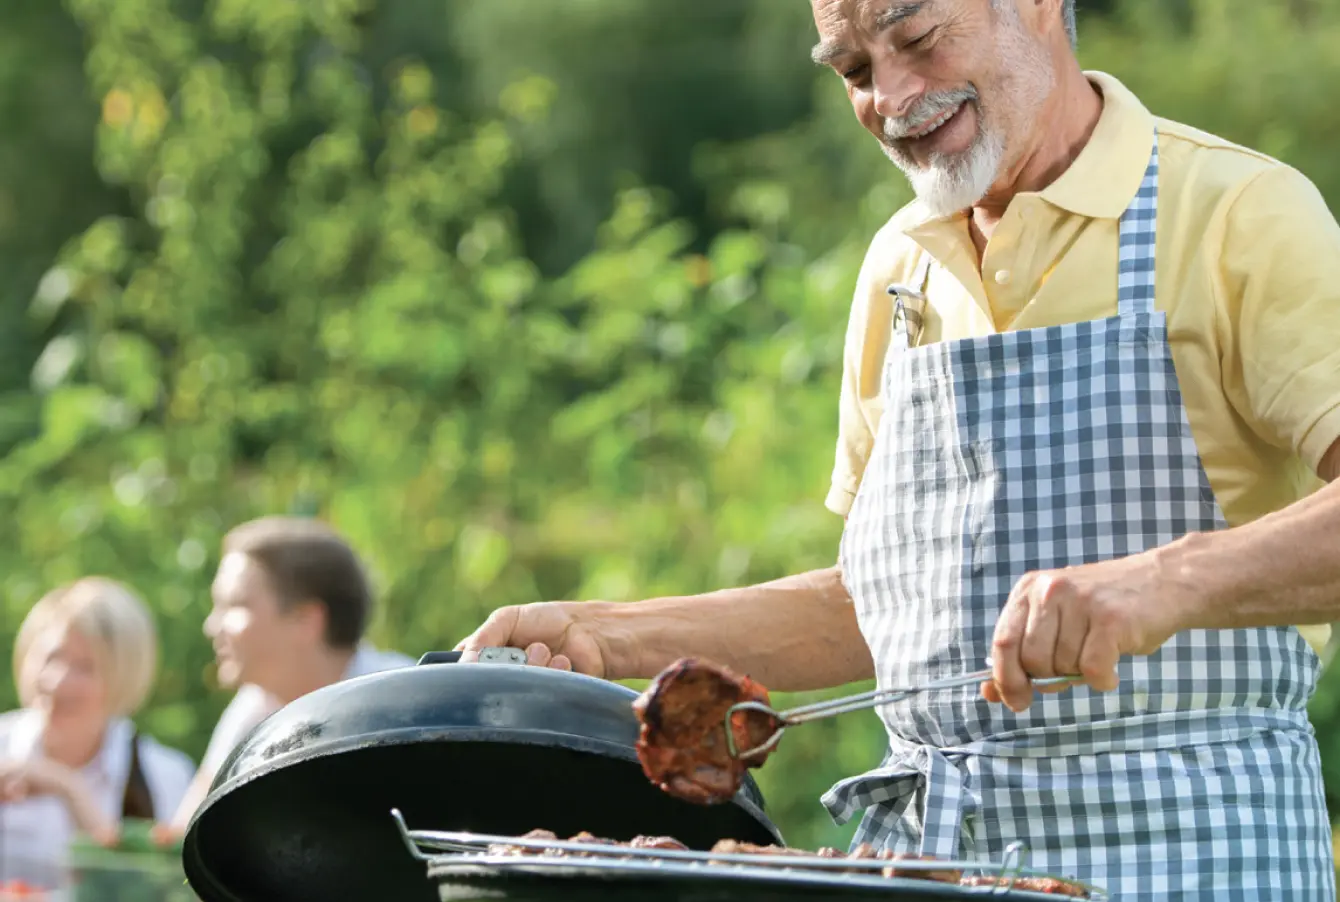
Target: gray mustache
(927, 108)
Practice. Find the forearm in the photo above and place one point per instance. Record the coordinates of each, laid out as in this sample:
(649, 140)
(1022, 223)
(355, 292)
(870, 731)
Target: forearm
(194, 797)
(1280, 570)
(86, 814)
(793, 634)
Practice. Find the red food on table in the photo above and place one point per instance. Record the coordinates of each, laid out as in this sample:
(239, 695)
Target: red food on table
(682, 744)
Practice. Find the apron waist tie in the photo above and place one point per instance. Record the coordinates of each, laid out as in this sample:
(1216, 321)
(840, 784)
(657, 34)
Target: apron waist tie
(936, 776)
(913, 771)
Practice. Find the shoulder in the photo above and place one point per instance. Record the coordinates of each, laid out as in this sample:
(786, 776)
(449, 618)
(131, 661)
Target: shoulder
(10, 720)
(1220, 176)
(369, 659)
(20, 731)
(249, 706)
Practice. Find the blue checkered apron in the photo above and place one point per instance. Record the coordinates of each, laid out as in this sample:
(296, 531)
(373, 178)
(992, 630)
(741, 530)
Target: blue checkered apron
(1199, 778)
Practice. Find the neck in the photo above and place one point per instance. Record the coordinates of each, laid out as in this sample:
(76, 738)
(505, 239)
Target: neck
(321, 667)
(72, 750)
(1064, 128)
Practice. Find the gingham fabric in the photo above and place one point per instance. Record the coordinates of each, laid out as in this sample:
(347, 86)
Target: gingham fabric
(1199, 778)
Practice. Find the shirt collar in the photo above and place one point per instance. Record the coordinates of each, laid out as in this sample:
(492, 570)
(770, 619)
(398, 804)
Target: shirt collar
(1103, 179)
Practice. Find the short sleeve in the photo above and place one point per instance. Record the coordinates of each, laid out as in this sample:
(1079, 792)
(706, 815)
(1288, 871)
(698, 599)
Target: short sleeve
(249, 707)
(855, 431)
(1281, 276)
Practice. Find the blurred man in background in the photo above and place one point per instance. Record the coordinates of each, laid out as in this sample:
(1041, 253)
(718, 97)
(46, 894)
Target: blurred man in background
(291, 603)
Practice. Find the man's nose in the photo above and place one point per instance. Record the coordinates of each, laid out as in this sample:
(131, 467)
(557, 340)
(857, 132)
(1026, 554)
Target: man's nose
(210, 626)
(896, 90)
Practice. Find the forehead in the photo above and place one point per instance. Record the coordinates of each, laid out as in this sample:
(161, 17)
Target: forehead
(239, 578)
(831, 16)
(67, 640)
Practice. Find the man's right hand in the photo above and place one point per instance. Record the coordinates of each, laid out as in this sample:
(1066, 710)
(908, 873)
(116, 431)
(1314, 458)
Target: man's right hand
(558, 634)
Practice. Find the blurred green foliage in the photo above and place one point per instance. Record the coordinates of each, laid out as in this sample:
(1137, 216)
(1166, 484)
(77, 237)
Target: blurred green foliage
(530, 300)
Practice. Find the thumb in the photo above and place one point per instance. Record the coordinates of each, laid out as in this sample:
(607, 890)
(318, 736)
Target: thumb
(494, 632)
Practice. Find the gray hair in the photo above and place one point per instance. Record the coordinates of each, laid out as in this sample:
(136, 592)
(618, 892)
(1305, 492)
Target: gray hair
(1067, 17)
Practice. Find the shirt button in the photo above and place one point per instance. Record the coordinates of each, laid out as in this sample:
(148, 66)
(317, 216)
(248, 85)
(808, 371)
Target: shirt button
(1002, 277)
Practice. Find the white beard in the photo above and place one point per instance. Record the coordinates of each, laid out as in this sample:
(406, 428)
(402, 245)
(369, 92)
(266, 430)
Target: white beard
(950, 184)
(953, 183)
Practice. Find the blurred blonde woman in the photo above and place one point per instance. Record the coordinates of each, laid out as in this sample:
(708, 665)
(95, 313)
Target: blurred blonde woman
(70, 759)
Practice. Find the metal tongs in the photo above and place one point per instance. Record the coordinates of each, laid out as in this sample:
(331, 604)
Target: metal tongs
(859, 702)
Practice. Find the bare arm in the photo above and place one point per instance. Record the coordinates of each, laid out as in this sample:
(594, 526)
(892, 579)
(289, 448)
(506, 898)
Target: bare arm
(195, 795)
(1281, 569)
(793, 634)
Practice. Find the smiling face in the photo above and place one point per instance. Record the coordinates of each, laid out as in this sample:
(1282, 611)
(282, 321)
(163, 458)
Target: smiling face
(254, 633)
(953, 89)
(67, 681)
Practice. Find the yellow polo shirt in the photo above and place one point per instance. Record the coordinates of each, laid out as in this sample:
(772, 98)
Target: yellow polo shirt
(1247, 270)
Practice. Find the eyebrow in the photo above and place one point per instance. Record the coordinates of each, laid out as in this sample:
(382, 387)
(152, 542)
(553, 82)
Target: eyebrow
(825, 52)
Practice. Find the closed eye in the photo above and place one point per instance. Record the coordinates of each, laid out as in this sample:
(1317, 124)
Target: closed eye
(923, 38)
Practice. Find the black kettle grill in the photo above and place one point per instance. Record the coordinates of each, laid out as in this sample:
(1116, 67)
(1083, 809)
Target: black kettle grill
(318, 802)
(301, 809)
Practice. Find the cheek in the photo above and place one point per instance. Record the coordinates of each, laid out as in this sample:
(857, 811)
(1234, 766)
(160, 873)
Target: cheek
(91, 693)
(863, 104)
(235, 623)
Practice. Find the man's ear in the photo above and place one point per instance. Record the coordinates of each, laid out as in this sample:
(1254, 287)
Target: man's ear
(1039, 16)
(310, 617)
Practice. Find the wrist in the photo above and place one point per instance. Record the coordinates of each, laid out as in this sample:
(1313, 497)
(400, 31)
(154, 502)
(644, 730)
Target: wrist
(638, 639)
(61, 781)
(1198, 582)
(608, 622)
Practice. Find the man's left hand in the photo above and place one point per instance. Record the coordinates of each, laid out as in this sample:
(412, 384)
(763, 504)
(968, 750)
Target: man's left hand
(1081, 621)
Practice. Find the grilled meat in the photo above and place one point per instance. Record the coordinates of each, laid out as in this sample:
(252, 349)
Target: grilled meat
(682, 744)
(1045, 885)
(658, 842)
(867, 851)
(735, 847)
(509, 849)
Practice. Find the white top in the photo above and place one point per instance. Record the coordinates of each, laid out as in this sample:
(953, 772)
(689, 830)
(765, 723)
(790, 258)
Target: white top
(35, 833)
(252, 704)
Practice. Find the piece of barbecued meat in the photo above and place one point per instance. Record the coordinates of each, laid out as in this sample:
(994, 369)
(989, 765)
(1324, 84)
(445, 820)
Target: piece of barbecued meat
(509, 849)
(867, 851)
(658, 842)
(937, 875)
(682, 744)
(585, 837)
(1044, 885)
(735, 847)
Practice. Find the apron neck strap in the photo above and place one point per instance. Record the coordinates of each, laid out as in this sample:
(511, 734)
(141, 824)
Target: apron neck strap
(1136, 244)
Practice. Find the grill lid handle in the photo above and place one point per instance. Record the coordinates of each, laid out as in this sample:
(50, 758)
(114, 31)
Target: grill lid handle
(486, 656)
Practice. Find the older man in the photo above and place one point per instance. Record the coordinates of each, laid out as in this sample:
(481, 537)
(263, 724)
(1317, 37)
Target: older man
(1086, 373)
